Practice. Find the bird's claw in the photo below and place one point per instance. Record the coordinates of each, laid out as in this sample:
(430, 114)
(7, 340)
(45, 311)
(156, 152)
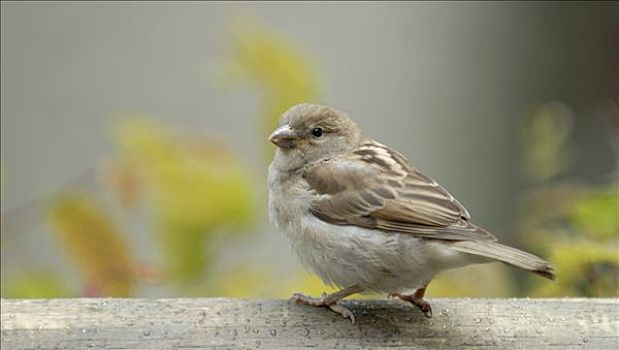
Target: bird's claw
(301, 298)
(424, 306)
(343, 311)
(421, 304)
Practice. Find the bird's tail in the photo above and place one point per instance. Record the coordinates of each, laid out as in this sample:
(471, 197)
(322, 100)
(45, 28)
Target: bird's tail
(508, 255)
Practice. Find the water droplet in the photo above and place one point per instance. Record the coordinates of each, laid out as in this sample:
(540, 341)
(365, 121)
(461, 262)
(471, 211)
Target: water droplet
(307, 332)
(146, 333)
(409, 319)
(585, 340)
(235, 333)
(91, 345)
(551, 319)
(255, 330)
(83, 330)
(478, 320)
(273, 332)
(258, 342)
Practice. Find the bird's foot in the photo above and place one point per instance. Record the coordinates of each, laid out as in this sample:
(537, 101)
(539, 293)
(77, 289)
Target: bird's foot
(421, 303)
(301, 298)
(324, 300)
(344, 312)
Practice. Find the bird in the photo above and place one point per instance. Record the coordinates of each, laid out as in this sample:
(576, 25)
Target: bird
(360, 216)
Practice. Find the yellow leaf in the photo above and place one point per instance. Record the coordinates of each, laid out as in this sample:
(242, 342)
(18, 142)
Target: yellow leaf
(193, 185)
(281, 69)
(94, 243)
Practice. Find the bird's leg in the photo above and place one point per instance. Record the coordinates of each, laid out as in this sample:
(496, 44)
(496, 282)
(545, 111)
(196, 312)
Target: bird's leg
(331, 300)
(417, 300)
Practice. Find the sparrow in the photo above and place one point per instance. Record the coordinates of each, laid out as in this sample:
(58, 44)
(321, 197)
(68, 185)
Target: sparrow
(364, 219)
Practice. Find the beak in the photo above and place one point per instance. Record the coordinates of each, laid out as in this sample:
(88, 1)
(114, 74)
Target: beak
(284, 137)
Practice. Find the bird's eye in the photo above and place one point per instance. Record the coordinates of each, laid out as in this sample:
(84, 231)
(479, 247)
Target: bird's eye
(317, 132)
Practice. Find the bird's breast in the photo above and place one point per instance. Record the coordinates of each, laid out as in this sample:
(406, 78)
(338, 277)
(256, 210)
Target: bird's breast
(289, 198)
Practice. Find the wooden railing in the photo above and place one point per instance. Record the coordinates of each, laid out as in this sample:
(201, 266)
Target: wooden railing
(271, 324)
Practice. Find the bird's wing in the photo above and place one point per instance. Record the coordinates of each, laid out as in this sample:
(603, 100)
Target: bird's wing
(375, 187)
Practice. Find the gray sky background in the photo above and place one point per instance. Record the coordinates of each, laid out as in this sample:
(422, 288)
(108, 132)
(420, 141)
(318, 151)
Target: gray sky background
(444, 83)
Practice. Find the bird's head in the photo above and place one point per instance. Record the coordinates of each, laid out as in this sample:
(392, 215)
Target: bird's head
(308, 132)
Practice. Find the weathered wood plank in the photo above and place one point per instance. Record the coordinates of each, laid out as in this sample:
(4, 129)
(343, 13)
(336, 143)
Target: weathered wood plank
(270, 324)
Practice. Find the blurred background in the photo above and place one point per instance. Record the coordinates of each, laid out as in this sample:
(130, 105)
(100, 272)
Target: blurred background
(134, 148)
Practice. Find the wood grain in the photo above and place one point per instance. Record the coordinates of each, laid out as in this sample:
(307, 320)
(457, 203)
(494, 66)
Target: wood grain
(280, 324)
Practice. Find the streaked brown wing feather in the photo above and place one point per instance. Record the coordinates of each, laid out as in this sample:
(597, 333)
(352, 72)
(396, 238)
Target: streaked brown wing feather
(377, 188)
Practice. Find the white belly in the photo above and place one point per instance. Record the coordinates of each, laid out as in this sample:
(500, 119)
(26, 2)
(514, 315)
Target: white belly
(349, 255)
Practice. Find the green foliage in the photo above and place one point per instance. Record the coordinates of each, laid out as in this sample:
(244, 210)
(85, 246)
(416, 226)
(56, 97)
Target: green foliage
(596, 214)
(193, 185)
(585, 268)
(35, 284)
(575, 224)
(486, 280)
